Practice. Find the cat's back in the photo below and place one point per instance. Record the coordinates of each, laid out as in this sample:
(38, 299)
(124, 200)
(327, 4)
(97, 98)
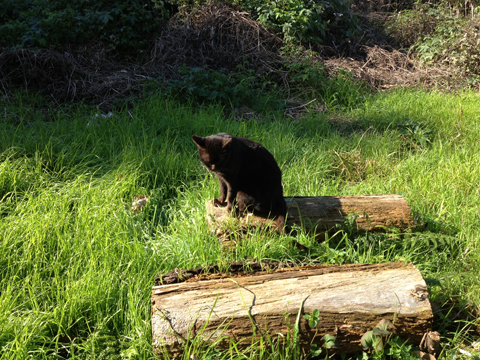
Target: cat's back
(258, 155)
(250, 143)
(254, 147)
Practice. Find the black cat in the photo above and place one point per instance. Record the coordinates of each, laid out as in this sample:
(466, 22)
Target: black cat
(248, 174)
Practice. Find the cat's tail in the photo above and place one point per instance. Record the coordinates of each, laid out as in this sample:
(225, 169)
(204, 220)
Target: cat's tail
(279, 223)
(280, 228)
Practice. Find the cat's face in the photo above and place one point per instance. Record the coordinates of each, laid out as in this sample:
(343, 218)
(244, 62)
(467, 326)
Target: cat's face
(214, 151)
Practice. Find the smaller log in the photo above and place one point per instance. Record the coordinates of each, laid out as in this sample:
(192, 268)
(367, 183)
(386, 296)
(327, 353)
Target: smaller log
(321, 214)
(351, 300)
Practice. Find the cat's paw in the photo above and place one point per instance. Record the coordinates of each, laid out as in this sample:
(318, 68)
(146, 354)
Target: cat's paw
(241, 207)
(230, 207)
(219, 203)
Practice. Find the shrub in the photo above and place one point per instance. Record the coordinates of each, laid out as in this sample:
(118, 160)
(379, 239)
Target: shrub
(41, 23)
(305, 20)
(454, 42)
(440, 33)
(294, 19)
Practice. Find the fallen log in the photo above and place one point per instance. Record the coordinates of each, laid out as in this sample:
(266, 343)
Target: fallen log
(323, 214)
(351, 299)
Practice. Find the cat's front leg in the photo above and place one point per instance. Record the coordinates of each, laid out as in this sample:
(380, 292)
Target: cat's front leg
(231, 194)
(220, 202)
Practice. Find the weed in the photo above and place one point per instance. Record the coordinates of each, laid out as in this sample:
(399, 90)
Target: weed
(384, 346)
(229, 89)
(415, 135)
(329, 341)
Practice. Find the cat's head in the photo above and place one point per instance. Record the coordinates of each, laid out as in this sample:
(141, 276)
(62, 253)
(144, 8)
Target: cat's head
(214, 150)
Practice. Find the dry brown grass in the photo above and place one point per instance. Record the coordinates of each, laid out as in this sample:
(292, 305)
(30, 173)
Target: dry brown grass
(86, 73)
(386, 68)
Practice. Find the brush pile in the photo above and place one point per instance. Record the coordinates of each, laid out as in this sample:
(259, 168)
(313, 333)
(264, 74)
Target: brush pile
(216, 37)
(90, 73)
(213, 37)
(385, 68)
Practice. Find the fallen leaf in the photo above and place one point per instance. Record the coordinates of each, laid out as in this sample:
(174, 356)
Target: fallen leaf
(139, 202)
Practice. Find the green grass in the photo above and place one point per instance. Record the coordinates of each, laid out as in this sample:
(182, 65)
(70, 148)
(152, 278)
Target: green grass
(77, 266)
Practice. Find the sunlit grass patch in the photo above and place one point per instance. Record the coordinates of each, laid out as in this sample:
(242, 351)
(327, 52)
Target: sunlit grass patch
(77, 264)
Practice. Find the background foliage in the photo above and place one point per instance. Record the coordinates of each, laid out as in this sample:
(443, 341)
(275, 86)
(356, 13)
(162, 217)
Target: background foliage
(441, 32)
(42, 23)
(132, 23)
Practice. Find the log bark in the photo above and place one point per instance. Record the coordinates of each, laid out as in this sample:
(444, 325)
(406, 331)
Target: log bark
(323, 214)
(352, 299)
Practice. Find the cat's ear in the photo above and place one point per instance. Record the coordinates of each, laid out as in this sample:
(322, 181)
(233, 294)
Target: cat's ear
(226, 141)
(200, 141)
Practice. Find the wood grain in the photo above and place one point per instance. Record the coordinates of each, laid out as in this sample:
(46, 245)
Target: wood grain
(320, 214)
(351, 299)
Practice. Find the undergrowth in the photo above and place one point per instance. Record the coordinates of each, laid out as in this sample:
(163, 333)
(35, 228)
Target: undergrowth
(44, 23)
(305, 75)
(130, 25)
(442, 32)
